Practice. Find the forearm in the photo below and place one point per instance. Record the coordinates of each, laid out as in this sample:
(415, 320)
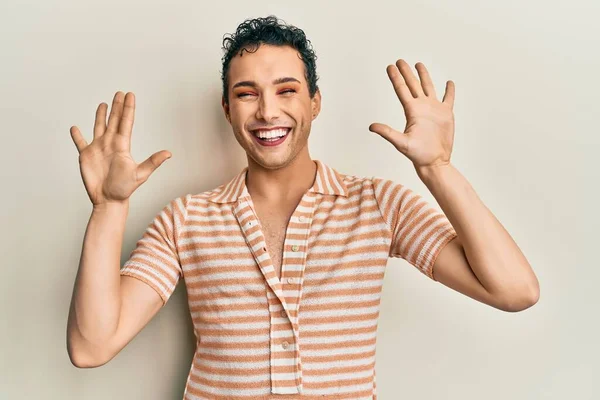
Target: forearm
(493, 255)
(95, 304)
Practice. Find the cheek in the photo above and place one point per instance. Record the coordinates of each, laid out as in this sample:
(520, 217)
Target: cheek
(239, 115)
(299, 109)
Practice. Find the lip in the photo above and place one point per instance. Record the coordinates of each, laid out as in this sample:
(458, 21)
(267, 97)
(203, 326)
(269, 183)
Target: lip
(271, 129)
(274, 143)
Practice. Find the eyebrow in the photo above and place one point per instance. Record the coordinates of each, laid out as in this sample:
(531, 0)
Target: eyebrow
(275, 82)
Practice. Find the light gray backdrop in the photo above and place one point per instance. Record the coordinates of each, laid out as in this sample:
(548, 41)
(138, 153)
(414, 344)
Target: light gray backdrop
(527, 87)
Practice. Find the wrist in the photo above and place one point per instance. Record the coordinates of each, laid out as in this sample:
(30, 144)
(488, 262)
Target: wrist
(111, 206)
(432, 171)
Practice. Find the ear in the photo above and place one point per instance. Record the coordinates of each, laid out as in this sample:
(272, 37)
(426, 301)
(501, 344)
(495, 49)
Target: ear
(316, 104)
(225, 109)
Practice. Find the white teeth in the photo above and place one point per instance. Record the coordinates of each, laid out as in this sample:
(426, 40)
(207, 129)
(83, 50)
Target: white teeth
(271, 134)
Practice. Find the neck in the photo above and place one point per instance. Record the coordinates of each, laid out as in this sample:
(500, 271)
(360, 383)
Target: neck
(281, 184)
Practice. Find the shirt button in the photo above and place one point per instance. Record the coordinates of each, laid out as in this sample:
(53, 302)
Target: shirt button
(301, 218)
(285, 345)
(290, 280)
(283, 314)
(295, 247)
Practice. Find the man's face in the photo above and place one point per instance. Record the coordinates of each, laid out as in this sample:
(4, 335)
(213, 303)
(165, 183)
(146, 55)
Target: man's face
(269, 96)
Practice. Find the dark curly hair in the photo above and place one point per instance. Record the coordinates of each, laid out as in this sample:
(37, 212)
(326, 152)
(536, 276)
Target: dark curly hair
(251, 33)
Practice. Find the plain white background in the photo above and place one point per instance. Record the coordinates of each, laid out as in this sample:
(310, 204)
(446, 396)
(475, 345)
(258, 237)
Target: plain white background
(527, 139)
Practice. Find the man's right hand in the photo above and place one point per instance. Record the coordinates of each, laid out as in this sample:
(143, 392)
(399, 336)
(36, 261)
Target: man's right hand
(109, 173)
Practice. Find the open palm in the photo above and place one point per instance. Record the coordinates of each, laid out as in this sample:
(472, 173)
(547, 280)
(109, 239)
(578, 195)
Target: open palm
(429, 132)
(109, 172)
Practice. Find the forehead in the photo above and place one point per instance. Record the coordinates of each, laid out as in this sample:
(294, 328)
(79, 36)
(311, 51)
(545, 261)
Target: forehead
(266, 64)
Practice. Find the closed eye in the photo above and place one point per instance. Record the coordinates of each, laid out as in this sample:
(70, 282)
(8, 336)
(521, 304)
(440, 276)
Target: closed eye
(285, 91)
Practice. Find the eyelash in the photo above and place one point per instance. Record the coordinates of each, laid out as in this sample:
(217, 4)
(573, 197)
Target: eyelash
(283, 91)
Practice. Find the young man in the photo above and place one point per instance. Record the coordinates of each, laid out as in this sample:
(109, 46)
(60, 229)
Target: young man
(284, 264)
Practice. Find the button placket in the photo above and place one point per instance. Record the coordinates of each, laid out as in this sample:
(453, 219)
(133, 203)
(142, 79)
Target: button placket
(299, 249)
(259, 253)
(273, 287)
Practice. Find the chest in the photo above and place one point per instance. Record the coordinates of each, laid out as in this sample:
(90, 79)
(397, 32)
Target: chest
(274, 222)
(236, 254)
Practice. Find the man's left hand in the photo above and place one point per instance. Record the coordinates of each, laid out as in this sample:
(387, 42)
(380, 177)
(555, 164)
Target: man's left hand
(429, 133)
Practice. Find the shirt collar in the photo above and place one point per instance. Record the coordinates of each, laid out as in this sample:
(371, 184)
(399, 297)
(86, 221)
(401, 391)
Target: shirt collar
(328, 181)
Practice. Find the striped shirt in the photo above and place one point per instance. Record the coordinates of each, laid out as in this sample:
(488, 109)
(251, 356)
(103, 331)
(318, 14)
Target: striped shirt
(312, 333)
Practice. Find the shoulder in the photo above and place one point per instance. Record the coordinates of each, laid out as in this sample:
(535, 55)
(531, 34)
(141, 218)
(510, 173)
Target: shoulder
(374, 183)
(354, 185)
(206, 199)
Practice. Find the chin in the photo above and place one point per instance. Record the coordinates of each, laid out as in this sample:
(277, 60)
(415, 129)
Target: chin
(273, 161)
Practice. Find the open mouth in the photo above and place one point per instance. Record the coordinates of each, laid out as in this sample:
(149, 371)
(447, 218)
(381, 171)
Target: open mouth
(271, 137)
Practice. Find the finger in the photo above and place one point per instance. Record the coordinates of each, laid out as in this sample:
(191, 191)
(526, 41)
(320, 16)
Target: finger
(399, 85)
(78, 139)
(411, 80)
(146, 168)
(425, 78)
(100, 123)
(450, 94)
(115, 113)
(398, 139)
(126, 124)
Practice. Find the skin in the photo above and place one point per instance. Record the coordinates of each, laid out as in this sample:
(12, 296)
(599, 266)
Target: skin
(483, 261)
(107, 310)
(257, 100)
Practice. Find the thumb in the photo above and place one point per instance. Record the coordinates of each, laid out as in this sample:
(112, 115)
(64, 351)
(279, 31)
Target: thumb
(398, 139)
(146, 168)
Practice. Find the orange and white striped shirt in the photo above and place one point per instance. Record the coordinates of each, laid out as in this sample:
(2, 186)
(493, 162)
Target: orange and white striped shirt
(312, 333)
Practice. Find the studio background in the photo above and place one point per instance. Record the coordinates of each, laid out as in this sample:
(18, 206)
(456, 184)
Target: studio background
(527, 139)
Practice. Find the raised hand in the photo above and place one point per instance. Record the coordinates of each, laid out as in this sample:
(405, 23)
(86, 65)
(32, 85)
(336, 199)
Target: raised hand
(109, 172)
(429, 133)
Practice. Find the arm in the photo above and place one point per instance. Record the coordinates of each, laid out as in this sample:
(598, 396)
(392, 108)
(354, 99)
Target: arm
(483, 262)
(108, 310)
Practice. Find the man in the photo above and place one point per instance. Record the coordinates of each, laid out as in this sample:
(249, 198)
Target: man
(284, 264)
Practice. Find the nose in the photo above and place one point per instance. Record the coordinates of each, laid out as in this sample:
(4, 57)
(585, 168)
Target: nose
(268, 108)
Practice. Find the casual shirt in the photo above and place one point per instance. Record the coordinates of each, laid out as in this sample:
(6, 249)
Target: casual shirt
(312, 333)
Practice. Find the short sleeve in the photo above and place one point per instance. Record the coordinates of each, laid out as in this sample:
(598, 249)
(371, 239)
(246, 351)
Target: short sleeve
(155, 259)
(418, 230)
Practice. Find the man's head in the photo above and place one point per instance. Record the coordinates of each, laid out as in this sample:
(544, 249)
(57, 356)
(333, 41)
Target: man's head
(270, 81)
